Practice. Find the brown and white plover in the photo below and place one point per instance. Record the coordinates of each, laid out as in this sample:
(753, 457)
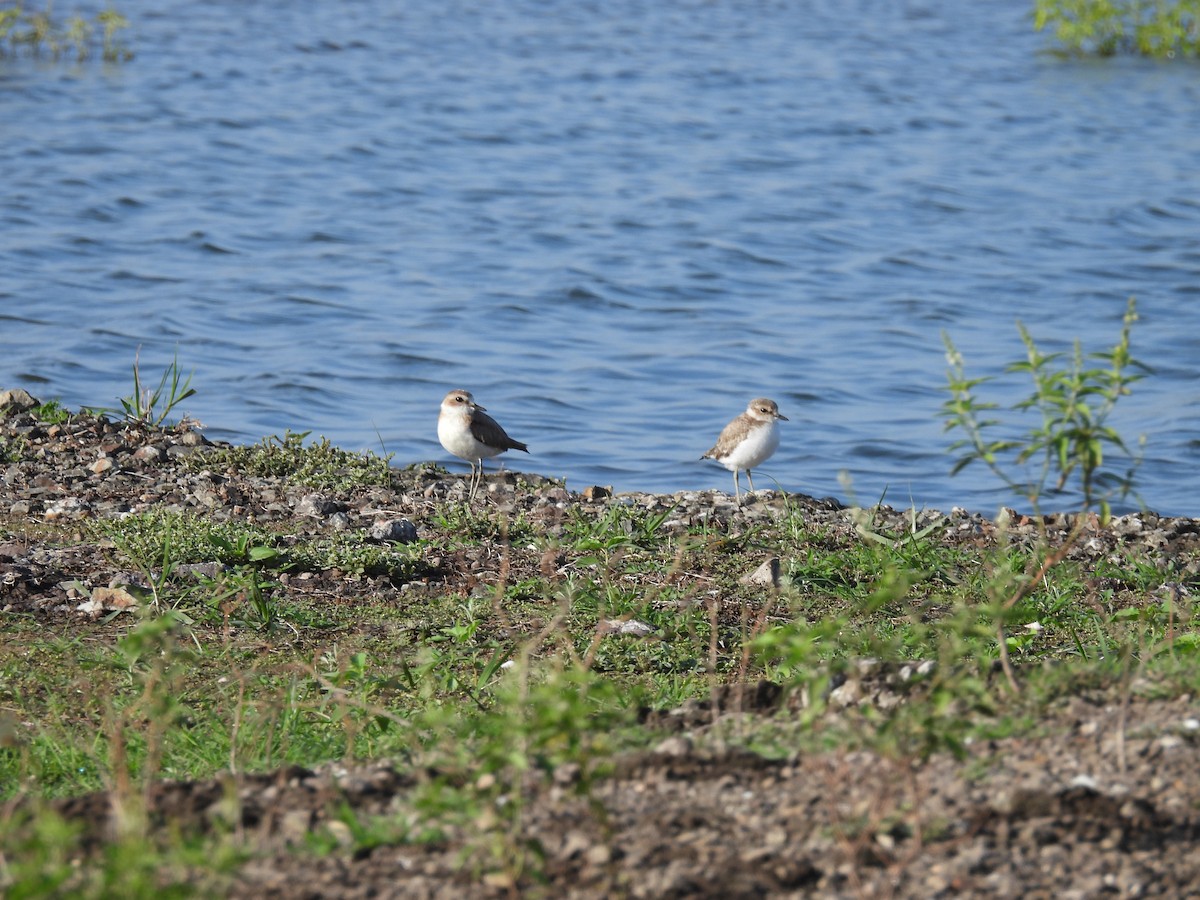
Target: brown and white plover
(748, 440)
(467, 431)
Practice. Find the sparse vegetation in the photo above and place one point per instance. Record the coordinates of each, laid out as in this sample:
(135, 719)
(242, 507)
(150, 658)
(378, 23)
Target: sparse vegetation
(1074, 404)
(318, 464)
(39, 32)
(1162, 29)
(151, 407)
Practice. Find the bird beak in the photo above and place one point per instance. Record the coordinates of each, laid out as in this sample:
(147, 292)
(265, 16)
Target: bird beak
(478, 407)
(781, 416)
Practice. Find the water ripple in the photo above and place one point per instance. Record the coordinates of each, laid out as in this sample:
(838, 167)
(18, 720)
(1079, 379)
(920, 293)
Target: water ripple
(614, 225)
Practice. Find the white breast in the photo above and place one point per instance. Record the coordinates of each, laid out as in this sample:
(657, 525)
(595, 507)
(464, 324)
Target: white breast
(454, 432)
(757, 447)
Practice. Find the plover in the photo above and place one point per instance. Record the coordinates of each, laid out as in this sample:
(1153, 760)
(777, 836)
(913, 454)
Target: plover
(748, 440)
(471, 434)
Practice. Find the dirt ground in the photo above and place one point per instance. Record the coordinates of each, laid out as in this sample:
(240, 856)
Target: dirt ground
(1104, 803)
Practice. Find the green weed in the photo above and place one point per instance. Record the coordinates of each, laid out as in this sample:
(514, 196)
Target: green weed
(1163, 28)
(1073, 402)
(40, 32)
(52, 412)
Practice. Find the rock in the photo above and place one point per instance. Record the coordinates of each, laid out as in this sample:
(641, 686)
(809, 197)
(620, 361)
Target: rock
(318, 506)
(393, 531)
(192, 439)
(625, 626)
(598, 855)
(596, 492)
(16, 401)
(209, 570)
(101, 466)
(676, 745)
(91, 608)
(557, 495)
(767, 574)
(114, 598)
(847, 694)
(67, 507)
(148, 453)
(294, 825)
(13, 549)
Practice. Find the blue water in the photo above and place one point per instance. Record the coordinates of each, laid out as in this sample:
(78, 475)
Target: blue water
(615, 223)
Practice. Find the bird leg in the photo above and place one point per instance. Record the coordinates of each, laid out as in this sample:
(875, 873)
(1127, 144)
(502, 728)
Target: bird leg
(737, 489)
(751, 480)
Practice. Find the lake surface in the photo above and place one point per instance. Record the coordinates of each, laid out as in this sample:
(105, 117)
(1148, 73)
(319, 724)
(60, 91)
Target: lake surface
(614, 222)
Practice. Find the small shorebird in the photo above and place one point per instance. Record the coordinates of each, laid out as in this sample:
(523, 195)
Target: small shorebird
(748, 440)
(467, 431)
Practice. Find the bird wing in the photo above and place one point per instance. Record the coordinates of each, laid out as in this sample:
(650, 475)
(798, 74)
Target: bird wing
(487, 431)
(728, 439)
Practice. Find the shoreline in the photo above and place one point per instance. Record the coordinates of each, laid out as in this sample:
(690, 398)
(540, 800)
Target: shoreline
(105, 448)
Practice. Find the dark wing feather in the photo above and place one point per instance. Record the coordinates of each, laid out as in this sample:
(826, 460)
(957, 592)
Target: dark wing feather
(487, 430)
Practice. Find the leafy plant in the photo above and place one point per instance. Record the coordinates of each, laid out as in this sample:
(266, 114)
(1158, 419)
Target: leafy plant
(240, 595)
(52, 412)
(155, 559)
(1074, 403)
(1158, 28)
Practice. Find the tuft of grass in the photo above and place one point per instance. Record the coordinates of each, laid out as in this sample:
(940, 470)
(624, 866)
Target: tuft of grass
(151, 406)
(11, 449)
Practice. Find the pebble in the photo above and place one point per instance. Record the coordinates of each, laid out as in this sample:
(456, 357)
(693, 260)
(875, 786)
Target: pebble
(318, 506)
(625, 626)
(65, 508)
(393, 531)
(676, 745)
(767, 574)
